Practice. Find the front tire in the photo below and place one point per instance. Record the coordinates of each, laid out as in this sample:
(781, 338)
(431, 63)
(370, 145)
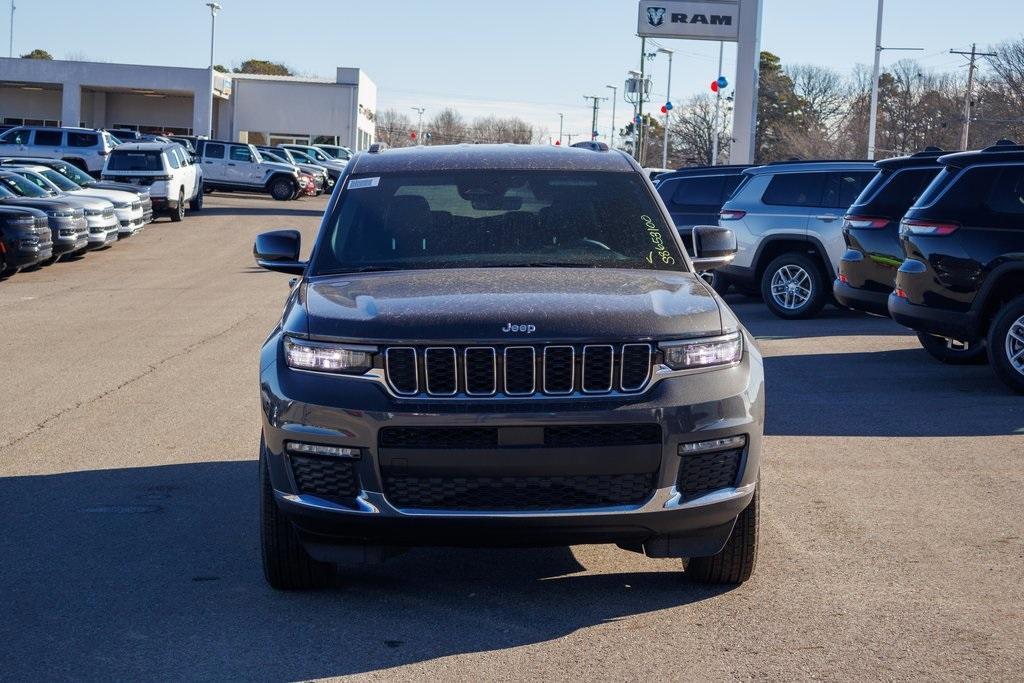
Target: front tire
(793, 287)
(178, 214)
(734, 563)
(197, 203)
(286, 564)
(952, 351)
(282, 189)
(1006, 344)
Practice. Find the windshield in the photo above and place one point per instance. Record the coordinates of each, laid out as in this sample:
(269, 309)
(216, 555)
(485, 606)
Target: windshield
(75, 175)
(477, 218)
(304, 158)
(134, 161)
(22, 187)
(59, 180)
(314, 153)
(4, 192)
(40, 182)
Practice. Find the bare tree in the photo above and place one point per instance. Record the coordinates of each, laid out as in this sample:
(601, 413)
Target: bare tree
(393, 128)
(692, 128)
(447, 127)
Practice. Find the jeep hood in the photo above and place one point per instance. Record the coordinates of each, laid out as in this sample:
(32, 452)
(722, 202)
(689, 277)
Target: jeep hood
(475, 304)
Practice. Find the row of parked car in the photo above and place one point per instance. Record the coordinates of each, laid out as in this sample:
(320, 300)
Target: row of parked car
(50, 209)
(177, 170)
(935, 240)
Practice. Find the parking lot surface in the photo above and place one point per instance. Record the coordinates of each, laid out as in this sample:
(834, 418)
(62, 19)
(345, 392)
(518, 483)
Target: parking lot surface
(129, 424)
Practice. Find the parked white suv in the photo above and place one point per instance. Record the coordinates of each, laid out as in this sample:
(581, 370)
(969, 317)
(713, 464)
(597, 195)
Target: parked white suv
(165, 168)
(239, 166)
(83, 147)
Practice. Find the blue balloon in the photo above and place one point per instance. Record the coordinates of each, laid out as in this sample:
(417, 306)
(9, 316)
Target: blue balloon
(668, 105)
(722, 82)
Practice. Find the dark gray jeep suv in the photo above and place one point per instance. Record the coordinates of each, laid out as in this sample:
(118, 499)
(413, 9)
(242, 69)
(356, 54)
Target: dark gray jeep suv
(505, 345)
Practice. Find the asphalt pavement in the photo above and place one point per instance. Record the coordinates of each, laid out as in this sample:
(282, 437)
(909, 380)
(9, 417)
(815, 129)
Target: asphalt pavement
(891, 533)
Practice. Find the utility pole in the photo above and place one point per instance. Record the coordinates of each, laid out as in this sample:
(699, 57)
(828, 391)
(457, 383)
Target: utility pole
(873, 117)
(593, 119)
(561, 126)
(718, 104)
(668, 100)
(10, 45)
(973, 54)
(615, 95)
(419, 124)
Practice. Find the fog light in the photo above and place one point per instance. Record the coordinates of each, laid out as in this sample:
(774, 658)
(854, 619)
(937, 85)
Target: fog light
(299, 448)
(724, 444)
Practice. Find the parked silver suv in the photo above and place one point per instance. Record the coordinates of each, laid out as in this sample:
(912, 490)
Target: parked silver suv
(84, 147)
(788, 219)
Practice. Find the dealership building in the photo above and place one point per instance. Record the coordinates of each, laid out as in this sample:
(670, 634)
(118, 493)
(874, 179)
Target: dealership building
(188, 101)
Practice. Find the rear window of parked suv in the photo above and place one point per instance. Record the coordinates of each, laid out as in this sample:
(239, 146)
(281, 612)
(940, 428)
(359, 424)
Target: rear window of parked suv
(481, 219)
(48, 138)
(123, 160)
(892, 192)
(832, 189)
(82, 139)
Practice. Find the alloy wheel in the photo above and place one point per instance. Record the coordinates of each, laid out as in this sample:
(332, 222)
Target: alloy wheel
(791, 287)
(1015, 345)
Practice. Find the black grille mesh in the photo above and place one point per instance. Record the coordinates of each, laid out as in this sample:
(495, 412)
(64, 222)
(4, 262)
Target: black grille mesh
(558, 369)
(705, 472)
(518, 493)
(438, 437)
(481, 371)
(575, 436)
(555, 436)
(518, 370)
(401, 363)
(635, 365)
(327, 478)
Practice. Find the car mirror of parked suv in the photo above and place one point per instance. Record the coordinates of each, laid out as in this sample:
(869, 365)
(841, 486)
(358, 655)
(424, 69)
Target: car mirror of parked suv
(713, 247)
(279, 250)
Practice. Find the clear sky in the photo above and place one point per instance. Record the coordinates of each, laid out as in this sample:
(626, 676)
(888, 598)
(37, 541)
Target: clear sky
(531, 58)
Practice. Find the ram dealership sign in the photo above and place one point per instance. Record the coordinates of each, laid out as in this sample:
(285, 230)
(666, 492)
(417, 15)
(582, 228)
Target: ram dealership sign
(713, 20)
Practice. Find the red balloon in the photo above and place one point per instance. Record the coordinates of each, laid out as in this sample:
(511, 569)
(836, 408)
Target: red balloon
(412, 134)
(558, 142)
(714, 86)
(663, 109)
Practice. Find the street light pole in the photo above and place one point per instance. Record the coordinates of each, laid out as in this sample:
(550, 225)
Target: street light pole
(873, 116)
(561, 126)
(214, 8)
(10, 45)
(611, 138)
(668, 112)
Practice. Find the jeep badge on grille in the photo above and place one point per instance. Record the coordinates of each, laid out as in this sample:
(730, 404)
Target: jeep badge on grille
(528, 329)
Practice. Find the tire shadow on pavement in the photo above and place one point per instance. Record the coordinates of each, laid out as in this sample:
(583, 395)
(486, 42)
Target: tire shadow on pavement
(154, 572)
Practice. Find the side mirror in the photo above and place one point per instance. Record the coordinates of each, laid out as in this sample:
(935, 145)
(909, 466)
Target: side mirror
(713, 247)
(279, 250)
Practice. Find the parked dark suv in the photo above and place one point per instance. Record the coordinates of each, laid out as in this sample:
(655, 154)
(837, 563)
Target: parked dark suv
(963, 277)
(25, 239)
(505, 345)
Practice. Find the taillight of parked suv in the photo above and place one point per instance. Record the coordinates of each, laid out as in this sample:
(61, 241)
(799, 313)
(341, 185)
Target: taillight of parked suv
(731, 215)
(925, 227)
(862, 222)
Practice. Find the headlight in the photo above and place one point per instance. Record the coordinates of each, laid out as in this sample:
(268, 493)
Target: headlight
(305, 355)
(94, 212)
(702, 353)
(62, 213)
(123, 205)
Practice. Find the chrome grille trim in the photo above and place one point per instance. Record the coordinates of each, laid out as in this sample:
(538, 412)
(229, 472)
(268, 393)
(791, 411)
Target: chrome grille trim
(455, 366)
(611, 369)
(494, 370)
(415, 365)
(622, 367)
(572, 371)
(504, 366)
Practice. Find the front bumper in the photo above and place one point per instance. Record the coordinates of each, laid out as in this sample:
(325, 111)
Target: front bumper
(340, 411)
(24, 251)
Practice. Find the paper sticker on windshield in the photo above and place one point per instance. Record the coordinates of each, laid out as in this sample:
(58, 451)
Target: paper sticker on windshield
(363, 182)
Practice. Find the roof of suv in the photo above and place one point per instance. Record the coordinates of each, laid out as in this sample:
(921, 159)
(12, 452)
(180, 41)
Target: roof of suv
(926, 157)
(1002, 151)
(491, 157)
(73, 129)
(805, 166)
(145, 146)
(721, 169)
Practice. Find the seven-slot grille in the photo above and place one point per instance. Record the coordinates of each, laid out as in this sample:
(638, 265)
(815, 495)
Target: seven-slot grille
(482, 371)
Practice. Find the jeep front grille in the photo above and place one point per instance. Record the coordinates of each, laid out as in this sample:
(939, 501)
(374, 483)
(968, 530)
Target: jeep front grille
(483, 371)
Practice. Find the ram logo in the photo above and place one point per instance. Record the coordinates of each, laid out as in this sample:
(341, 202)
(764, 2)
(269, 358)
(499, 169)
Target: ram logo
(655, 16)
